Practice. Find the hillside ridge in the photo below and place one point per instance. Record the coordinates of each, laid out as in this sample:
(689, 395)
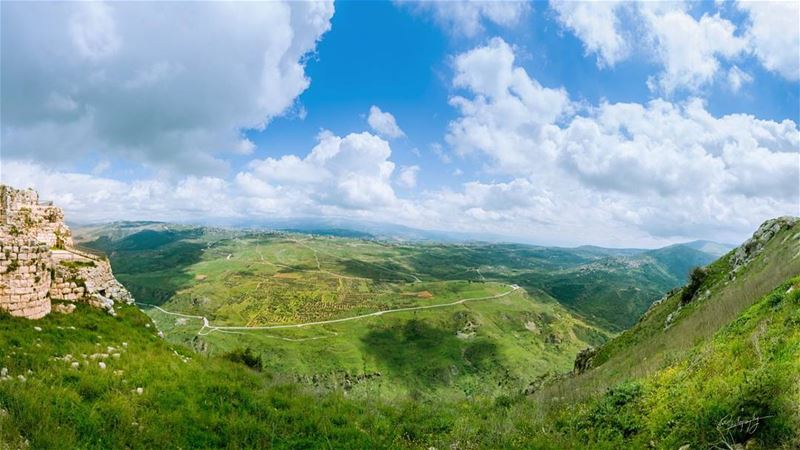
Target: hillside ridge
(770, 256)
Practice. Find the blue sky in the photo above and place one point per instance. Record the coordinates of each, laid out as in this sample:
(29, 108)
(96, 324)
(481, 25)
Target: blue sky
(379, 54)
(558, 123)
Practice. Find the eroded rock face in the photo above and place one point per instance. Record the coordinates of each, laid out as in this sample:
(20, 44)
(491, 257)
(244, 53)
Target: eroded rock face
(583, 361)
(755, 245)
(38, 261)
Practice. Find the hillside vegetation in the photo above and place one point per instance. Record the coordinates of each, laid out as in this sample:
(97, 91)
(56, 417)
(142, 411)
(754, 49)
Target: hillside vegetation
(729, 379)
(452, 338)
(610, 288)
(673, 326)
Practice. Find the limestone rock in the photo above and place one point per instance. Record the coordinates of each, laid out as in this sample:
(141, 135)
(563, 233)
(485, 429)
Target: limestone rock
(583, 361)
(64, 308)
(755, 245)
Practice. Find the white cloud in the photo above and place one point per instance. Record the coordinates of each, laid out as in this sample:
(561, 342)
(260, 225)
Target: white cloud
(143, 82)
(92, 198)
(689, 49)
(774, 32)
(738, 78)
(383, 123)
(597, 25)
(244, 147)
(350, 172)
(408, 176)
(468, 17)
(510, 114)
(659, 168)
(93, 31)
(347, 176)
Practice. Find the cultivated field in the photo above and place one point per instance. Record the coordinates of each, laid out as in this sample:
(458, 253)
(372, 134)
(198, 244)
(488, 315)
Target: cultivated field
(337, 312)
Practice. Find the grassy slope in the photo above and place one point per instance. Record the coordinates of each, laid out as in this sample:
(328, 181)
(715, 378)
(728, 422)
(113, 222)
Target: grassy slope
(611, 288)
(741, 386)
(648, 346)
(188, 401)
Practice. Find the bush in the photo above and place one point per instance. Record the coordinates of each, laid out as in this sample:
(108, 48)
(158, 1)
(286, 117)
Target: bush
(696, 279)
(245, 356)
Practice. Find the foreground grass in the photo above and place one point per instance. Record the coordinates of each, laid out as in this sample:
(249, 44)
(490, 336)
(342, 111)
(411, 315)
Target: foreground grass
(185, 401)
(741, 386)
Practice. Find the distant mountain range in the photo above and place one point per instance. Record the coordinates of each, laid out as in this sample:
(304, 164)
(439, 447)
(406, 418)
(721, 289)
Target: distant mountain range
(609, 287)
(392, 232)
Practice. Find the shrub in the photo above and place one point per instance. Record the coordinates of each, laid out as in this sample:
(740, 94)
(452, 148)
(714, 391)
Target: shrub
(696, 279)
(76, 264)
(245, 356)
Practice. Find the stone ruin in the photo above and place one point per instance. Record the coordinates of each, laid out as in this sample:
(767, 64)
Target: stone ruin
(39, 262)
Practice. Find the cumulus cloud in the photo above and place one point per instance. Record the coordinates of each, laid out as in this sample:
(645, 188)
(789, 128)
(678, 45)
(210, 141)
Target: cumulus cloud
(510, 113)
(94, 198)
(468, 17)
(383, 123)
(408, 176)
(774, 31)
(349, 172)
(143, 82)
(634, 165)
(690, 51)
(597, 25)
(339, 176)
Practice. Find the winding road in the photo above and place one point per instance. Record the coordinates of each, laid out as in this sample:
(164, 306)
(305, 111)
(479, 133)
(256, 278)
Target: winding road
(212, 328)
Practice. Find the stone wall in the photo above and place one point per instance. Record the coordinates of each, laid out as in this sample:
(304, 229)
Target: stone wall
(22, 214)
(25, 277)
(90, 281)
(37, 263)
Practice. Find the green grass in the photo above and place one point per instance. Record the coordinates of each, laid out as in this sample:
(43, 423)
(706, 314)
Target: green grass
(459, 351)
(725, 373)
(187, 401)
(610, 288)
(740, 387)
(648, 347)
(263, 279)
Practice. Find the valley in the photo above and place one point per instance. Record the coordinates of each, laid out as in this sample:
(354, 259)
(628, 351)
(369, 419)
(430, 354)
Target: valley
(470, 364)
(330, 308)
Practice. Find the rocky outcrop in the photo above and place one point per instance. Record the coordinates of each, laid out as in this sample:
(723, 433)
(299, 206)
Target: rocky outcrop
(38, 261)
(584, 360)
(755, 245)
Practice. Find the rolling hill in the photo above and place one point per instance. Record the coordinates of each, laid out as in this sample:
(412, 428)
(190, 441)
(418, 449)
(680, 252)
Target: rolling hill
(609, 288)
(712, 365)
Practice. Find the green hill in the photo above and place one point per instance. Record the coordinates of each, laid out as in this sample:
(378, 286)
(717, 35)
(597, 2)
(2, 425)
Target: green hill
(713, 365)
(610, 288)
(455, 337)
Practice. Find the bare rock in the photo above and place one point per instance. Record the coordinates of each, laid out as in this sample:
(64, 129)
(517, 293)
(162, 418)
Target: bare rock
(584, 360)
(64, 308)
(755, 245)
